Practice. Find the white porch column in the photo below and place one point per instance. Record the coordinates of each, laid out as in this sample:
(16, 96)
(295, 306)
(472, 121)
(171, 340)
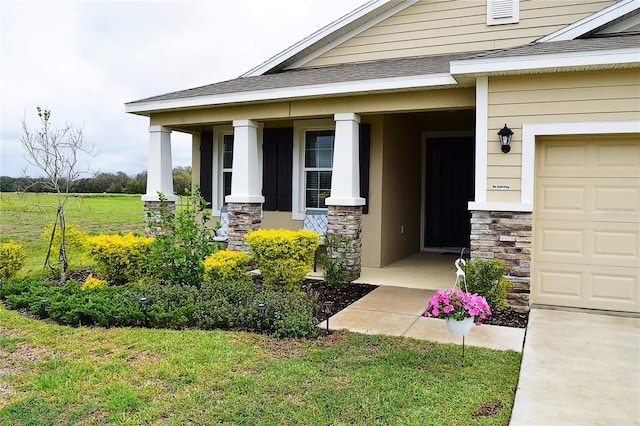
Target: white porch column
(345, 177)
(246, 181)
(159, 168)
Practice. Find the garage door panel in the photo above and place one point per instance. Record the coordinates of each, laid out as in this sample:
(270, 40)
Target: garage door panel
(596, 199)
(586, 245)
(600, 287)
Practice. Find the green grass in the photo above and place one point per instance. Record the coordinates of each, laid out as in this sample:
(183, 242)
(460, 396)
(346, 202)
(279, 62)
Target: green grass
(23, 218)
(60, 375)
(51, 374)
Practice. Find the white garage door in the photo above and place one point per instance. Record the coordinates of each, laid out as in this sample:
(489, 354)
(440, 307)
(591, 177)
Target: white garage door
(586, 247)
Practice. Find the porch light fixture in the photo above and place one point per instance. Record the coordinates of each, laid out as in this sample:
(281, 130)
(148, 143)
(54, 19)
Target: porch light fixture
(505, 134)
(327, 307)
(144, 303)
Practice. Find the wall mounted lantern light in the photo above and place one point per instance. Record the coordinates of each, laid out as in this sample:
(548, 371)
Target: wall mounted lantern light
(505, 135)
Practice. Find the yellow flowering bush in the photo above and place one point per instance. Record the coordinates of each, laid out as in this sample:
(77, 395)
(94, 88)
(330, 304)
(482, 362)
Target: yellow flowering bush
(226, 266)
(283, 256)
(74, 240)
(93, 282)
(120, 258)
(12, 257)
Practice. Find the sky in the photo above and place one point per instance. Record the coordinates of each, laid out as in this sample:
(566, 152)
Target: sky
(84, 59)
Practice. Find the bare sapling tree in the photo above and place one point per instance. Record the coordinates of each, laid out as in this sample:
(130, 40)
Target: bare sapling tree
(56, 153)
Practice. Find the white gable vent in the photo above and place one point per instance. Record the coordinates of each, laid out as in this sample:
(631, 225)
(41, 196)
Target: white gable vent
(503, 12)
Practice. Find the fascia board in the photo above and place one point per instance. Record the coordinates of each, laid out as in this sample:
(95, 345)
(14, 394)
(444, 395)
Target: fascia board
(328, 89)
(401, 6)
(538, 62)
(592, 22)
(315, 37)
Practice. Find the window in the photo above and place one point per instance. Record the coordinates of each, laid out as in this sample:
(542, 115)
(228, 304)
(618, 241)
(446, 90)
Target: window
(318, 159)
(227, 164)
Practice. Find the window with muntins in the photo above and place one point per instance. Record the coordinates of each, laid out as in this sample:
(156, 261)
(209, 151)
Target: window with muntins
(227, 163)
(318, 161)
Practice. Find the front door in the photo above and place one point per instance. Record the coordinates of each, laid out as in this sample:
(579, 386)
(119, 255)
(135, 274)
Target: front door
(449, 186)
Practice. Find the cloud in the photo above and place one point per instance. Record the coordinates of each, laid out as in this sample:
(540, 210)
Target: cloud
(85, 59)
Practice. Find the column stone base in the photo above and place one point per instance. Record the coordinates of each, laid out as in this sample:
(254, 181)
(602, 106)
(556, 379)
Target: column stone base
(506, 236)
(153, 216)
(346, 222)
(243, 217)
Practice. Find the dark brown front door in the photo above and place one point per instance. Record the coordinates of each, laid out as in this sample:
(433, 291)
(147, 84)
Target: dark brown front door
(449, 187)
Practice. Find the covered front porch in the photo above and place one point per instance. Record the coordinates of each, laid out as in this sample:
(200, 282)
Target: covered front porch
(421, 270)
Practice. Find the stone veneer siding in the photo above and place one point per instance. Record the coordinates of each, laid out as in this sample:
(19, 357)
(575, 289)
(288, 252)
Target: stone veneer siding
(346, 221)
(506, 236)
(152, 215)
(243, 217)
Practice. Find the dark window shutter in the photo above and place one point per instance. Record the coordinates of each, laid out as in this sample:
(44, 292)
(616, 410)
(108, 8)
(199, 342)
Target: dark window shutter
(270, 168)
(285, 169)
(365, 154)
(277, 168)
(206, 166)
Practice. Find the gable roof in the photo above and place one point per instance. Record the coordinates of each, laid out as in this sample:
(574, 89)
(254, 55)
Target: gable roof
(324, 39)
(273, 80)
(592, 23)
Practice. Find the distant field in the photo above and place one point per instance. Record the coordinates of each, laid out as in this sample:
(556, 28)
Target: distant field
(23, 218)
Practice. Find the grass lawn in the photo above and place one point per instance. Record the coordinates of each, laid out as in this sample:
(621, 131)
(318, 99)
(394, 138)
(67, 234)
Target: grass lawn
(58, 375)
(23, 218)
(51, 374)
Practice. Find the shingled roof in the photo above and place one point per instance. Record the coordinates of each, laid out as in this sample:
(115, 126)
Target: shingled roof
(387, 68)
(390, 68)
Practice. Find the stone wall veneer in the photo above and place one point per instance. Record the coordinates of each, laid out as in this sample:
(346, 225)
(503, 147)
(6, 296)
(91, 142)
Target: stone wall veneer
(506, 236)
(346, 221)
(153, 216)
(243, 217)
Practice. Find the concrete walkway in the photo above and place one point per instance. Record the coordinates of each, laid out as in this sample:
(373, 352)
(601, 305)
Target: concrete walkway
(397, 311)
(579, 369)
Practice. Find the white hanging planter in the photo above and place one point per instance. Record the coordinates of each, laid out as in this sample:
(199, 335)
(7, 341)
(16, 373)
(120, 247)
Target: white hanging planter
(460, 327)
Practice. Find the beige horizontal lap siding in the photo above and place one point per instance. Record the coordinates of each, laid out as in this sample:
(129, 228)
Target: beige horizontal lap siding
(448, 26)
(551, 98)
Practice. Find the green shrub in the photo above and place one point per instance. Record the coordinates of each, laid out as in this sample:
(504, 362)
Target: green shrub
(284, 257)
(182, 242)
(223, 305)
(487, 278)
(120, 258)
(226, 266)
(12, 257)
(334, 261)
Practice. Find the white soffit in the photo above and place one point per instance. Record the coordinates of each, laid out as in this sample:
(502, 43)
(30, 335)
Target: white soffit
(521, 64)
(388, 8)
(593, 22)
(297, 92)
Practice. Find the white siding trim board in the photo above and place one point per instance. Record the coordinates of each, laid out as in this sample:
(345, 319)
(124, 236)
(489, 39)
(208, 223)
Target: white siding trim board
(564, 61)
(329, 89)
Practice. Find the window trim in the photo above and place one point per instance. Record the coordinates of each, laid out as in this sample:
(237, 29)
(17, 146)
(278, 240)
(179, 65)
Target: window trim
(300, 127)
(217, 199)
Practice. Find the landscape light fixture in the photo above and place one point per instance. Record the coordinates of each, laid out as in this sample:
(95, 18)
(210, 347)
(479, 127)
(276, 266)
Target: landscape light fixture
(262, 310)
(327, 307)
(144, 303)
(505, 134)
(45, 305)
